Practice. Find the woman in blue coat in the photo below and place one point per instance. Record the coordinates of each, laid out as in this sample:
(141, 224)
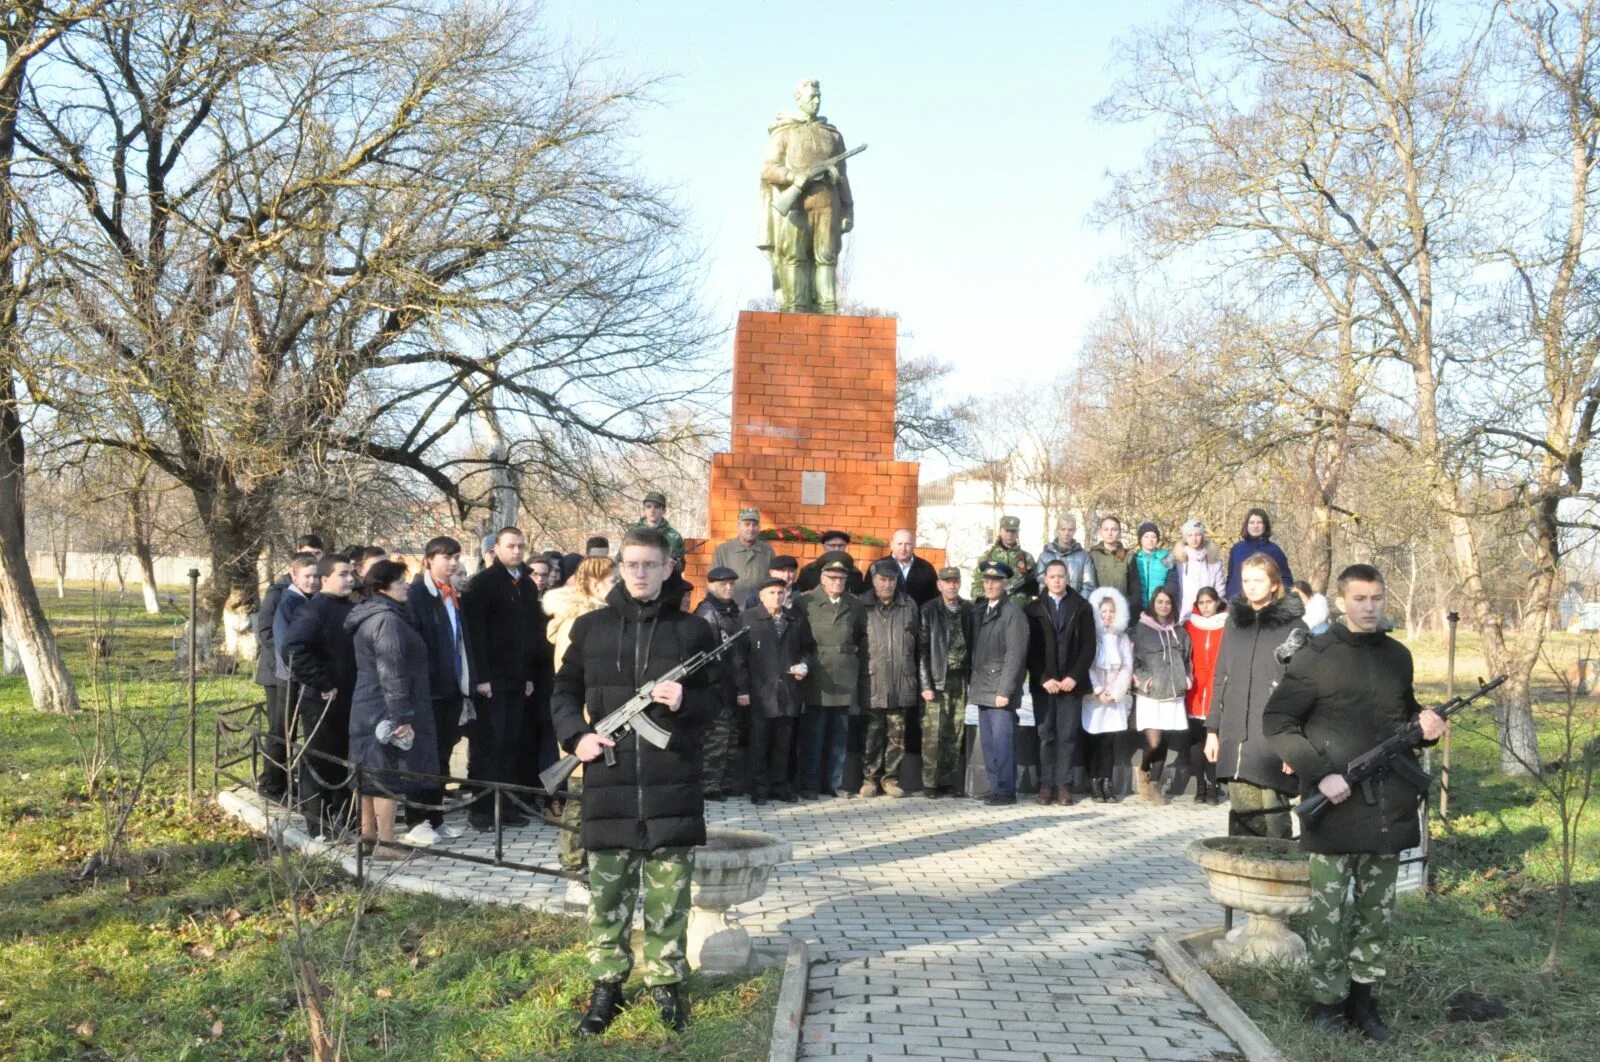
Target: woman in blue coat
(392, 688)
(1256, 538)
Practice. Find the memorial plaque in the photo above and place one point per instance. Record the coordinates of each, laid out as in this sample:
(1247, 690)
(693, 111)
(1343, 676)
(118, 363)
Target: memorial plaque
(813, 488)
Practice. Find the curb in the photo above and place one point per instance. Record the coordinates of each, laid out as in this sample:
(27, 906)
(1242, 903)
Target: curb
(791, 1003)
(1190, 976)
(289, 828)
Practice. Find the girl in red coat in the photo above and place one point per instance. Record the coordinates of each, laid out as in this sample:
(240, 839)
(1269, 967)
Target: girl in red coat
(1205, 637)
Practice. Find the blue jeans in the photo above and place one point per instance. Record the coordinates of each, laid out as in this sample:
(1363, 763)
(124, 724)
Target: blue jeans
(823, 730)
(998, 727)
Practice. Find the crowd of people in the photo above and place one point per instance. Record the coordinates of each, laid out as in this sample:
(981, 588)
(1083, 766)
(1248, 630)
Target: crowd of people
(1169, 646)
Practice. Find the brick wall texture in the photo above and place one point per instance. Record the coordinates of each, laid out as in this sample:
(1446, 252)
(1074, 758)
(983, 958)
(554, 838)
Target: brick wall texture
(812, 394)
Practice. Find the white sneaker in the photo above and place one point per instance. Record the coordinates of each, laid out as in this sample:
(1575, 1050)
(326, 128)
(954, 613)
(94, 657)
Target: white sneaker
(449, 833)
(422, 833)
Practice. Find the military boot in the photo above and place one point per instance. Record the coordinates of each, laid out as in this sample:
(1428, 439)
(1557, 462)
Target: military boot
(1362, 1010)
(603, 1005)
(1327, 1017)
(674, 1009)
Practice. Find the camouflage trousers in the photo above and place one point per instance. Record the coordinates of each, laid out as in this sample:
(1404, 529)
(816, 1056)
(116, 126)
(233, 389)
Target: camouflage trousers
(570, 844)
(720, 748)
(1242, 796)
(885, 744)
(613, 887)
(1347, 929)
(943, 728)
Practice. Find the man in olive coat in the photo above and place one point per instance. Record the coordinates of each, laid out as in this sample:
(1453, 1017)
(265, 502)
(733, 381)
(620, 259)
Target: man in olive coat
(1347, 691)
(836, 686)
(747, 555)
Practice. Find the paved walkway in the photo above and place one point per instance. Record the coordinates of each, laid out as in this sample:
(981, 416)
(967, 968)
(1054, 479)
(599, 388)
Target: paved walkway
(948, 929)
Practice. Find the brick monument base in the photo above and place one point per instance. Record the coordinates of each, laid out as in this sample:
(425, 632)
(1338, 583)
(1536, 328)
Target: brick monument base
(813, 437)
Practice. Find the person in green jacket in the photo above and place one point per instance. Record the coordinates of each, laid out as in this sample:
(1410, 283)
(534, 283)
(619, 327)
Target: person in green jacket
(655, 517)
(1023, 583)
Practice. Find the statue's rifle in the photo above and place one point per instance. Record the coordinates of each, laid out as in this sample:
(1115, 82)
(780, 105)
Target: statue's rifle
(786, 199)
(631, 715)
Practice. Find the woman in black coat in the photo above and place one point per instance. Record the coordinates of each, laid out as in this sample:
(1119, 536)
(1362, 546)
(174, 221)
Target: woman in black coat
(1264, 629)
(391, 687)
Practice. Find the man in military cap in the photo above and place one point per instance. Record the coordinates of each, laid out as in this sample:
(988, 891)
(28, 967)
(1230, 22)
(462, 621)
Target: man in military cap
(655, 516)
(944, 662)
(783, 567)
(999, 661)
(719, 771)
(747, 555)
(893, 684)
(1023, 582)
(833, 542)
(836, 687)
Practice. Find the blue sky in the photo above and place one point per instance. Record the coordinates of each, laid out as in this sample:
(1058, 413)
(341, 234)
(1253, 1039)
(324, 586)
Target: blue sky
(983, 164)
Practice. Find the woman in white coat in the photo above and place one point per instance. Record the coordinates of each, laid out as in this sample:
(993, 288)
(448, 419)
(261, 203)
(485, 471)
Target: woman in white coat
(1105, 709)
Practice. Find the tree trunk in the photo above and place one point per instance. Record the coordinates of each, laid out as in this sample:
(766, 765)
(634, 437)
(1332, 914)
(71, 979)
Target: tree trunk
(230, 597)
(139, 529)
(1320, 571)
(505, 486)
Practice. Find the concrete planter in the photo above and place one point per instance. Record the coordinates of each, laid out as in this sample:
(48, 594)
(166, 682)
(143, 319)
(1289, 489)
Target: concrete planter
(1268, 879)
(732, 867)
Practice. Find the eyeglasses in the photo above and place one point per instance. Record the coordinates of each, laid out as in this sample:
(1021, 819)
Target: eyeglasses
(640, 566)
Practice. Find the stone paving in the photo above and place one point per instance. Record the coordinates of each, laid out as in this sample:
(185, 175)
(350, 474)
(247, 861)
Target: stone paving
(949, 929)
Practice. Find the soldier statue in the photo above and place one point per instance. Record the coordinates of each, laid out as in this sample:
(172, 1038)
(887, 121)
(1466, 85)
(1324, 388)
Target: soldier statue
(806, 207)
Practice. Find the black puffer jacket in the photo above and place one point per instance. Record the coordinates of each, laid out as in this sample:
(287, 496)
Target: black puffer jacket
(321, 654)
(651, 798)
(1256, 647)
(724, 619)
(392, 684)
(892, 632)
(1342, 694)
(768, 657)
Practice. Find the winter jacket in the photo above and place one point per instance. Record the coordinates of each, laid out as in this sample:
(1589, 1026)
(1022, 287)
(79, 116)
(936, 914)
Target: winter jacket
(1080, 566)
(1064, 651)
(999, 653)
(1195, 569)
(1112, 671)
(289, 606)
(266, 645)
(752, 562)
(767, 658)
(1205, 641)
(1147, 573)
(650, 798)
(1246, 548)
(921, 583)
(1161, 659)
(1111, 568)
(449, 673)
(892, 653)
(1342, 694)
(321, 650)
(505, 623)
(391, 683)
(562, 607)
(933, 640)
(1255, 648)
(840, 677)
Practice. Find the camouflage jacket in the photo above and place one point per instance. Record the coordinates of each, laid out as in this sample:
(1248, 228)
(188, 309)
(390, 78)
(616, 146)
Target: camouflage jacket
(1024, 582)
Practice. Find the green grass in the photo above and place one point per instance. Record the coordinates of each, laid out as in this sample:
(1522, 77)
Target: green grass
(1486, 927)
(179, 951)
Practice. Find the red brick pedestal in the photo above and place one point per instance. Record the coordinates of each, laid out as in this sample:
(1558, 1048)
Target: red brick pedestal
(813, 436)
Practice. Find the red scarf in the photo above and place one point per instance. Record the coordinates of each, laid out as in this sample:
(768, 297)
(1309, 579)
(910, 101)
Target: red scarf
(447, 592)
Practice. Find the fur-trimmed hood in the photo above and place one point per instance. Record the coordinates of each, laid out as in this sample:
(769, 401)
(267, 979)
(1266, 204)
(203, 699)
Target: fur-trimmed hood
(1120, 624)
(1280, 613)
(566, 603)
(1208, 551)
(1207, 623)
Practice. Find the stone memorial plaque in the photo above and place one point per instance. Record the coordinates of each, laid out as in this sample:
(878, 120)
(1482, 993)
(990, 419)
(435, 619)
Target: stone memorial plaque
(813, 488)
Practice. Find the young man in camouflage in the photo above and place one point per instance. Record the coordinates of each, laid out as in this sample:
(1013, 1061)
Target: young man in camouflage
(945, 663)
(655, 516)
(1007, 549)
(1346, 691)
(643, 814)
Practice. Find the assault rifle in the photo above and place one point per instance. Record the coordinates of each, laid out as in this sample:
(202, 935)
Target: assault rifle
(631, 716)
(1394, 755)
(786, 199)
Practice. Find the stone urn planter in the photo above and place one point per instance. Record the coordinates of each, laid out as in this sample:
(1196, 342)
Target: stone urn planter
(731, 868)
(1268, 879)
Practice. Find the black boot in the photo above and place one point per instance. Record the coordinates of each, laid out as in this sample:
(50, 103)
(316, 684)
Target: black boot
(603, 1006)
(670, 1002)
(1327, 1017)
(1362, 1010)
(1200, 791)
(1098, 787)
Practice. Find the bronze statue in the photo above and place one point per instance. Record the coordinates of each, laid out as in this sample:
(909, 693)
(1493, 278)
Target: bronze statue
(806, 207)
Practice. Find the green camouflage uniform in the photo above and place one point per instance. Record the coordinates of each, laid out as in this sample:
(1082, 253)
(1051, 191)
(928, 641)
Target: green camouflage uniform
(1024, 570)
(1346, 936)
(569, 846)
(885, 744)
(944, 722)
(670, 533)
(613, 887)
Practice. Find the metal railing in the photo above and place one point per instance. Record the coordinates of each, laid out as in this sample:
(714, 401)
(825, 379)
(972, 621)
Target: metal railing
(240, 727)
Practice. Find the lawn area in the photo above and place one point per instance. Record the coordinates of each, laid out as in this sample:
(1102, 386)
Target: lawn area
(1486, 927)
(179, 951)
